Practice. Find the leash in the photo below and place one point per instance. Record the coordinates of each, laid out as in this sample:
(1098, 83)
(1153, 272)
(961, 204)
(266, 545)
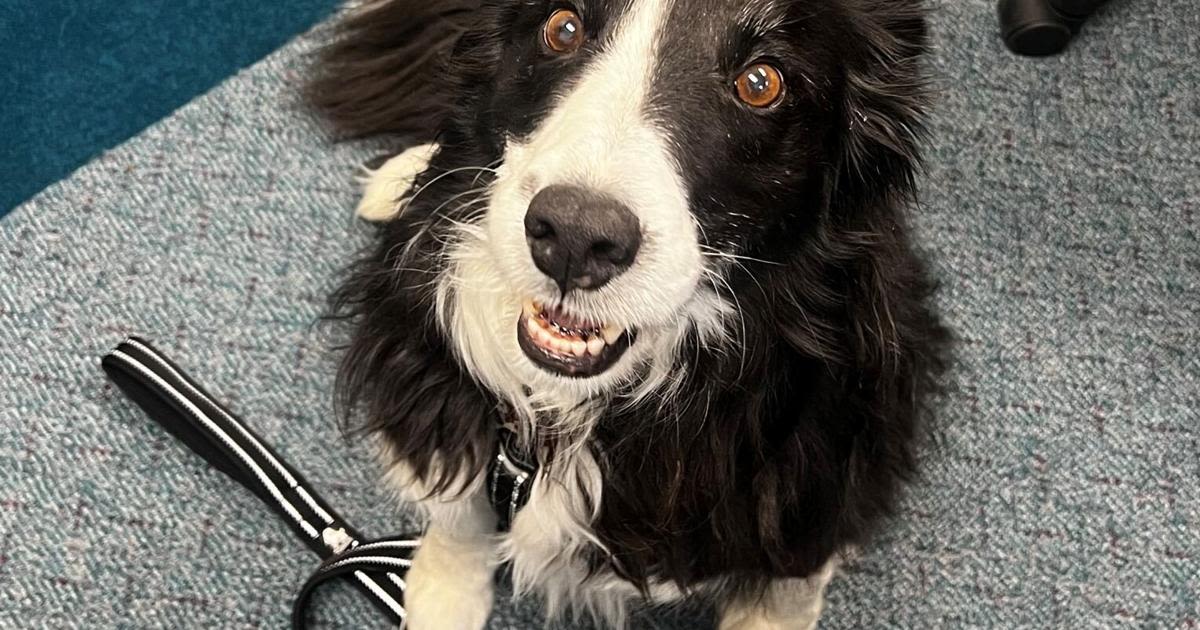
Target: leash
(177, 403)
(376, 568)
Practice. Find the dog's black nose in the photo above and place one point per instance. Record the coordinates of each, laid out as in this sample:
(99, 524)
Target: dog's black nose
(580, 238)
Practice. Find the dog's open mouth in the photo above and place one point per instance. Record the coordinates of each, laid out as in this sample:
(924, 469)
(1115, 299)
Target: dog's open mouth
(567, 345)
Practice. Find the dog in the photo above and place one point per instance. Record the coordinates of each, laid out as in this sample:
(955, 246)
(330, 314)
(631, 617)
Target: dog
(660, 245)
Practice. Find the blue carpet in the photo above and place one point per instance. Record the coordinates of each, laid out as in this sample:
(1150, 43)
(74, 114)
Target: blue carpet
(80, 77)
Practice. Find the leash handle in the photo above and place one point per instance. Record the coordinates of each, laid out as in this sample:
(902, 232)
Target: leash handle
(389, 557)
(177, 403)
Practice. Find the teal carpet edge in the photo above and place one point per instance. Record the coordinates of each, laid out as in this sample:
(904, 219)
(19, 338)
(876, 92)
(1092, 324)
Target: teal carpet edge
(80, 77)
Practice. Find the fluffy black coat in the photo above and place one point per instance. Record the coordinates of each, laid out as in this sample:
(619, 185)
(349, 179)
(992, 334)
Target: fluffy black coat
(774, 454)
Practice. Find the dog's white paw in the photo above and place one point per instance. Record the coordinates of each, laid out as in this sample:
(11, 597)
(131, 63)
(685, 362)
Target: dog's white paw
(384, 188)
(789, 604)
(449, 586)
(758, 622)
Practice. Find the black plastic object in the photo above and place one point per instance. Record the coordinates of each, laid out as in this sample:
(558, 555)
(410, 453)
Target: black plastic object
(1038, 28)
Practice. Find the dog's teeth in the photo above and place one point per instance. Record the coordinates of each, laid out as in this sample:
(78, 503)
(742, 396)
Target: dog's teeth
(555, 332)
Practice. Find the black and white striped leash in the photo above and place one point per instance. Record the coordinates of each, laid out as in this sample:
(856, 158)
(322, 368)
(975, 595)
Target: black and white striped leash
(376, 567)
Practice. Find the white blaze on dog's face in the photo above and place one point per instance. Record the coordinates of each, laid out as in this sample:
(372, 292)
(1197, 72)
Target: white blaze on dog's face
(626, 144)
(597, 149)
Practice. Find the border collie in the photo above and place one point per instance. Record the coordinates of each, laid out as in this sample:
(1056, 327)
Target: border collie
(663, 244)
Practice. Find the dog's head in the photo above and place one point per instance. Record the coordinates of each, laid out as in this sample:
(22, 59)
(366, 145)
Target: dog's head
(621, 182)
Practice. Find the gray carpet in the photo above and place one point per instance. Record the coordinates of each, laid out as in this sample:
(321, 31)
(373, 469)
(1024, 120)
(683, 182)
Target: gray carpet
(1062, 476)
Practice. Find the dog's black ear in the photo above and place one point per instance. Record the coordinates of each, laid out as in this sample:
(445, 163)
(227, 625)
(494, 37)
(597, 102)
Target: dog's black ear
(859, 298)
(859, 293)
(384, 73)
(885, 101)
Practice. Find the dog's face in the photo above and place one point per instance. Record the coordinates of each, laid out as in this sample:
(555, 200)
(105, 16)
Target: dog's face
(646, 146)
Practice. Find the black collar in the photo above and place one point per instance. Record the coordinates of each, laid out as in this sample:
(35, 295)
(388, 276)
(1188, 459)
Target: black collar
(510, 476)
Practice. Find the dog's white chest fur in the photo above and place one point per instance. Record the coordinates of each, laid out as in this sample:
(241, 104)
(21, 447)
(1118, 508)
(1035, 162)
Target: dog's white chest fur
(551, 539)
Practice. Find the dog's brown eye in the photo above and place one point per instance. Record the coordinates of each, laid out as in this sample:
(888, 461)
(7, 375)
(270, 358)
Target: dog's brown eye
(564, 31)
(760, 85)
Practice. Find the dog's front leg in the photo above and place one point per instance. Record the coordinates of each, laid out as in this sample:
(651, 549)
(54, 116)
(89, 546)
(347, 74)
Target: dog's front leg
(787, 604)
(449, 586)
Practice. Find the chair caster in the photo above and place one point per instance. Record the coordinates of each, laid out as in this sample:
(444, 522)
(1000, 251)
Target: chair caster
(1038, 28)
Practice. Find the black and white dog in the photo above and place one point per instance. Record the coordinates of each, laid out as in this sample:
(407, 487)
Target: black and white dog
(664, 242)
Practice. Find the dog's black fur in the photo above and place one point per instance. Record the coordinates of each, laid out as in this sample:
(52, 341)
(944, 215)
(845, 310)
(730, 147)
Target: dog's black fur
(768, 461)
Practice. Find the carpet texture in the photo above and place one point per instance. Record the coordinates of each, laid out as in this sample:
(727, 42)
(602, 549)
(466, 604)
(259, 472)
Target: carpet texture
(80, 77)
(1061, 481)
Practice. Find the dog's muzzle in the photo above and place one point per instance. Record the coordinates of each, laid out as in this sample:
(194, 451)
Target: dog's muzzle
(581, 240)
